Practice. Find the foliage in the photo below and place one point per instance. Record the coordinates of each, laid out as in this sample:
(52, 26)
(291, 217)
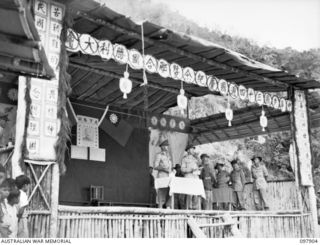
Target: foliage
(305, 64)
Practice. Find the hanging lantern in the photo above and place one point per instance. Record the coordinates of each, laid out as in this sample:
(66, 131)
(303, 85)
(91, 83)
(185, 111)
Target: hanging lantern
(263, 120)
(229, 114)
(125, 84)
(182, 101)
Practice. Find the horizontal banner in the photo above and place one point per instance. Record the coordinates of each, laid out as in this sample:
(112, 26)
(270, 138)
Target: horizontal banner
(87, 44)
(169, 123)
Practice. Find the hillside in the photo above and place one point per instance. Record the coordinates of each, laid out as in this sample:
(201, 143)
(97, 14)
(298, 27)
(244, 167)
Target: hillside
(306, 64)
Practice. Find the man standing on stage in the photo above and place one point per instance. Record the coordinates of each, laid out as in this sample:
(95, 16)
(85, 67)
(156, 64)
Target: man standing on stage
(163, 164)
(208, 177)
(259, 175)
(238, 183)
(190, 169)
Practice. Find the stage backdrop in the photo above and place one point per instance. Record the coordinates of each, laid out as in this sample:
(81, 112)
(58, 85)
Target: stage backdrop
(124, 175)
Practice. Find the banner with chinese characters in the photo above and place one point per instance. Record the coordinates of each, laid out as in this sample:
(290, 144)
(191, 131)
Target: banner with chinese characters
(43, 124)
(106, 50)
(169, 123)
(302, 138)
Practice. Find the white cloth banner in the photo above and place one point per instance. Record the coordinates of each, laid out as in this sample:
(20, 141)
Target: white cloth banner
(181, 185)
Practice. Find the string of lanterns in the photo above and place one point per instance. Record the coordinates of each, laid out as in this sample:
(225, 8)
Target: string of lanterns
(137, 61)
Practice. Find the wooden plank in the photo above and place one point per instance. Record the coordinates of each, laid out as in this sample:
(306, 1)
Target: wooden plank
(197, 232)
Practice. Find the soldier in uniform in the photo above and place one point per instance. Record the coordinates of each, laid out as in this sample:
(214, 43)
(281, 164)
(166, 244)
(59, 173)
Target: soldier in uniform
(238, 183)
(208, 177)
(163, 165)
(259, 175)
(190, 169)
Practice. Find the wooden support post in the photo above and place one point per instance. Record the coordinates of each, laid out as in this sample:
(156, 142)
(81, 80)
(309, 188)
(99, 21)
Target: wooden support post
(20, 128)
(300, 128)
(54, 200)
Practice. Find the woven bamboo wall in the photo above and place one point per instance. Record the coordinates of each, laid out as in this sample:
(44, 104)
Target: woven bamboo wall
(282, 196)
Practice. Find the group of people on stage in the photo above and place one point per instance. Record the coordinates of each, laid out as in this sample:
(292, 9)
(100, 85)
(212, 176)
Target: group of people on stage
(13, 202)
(223, 190)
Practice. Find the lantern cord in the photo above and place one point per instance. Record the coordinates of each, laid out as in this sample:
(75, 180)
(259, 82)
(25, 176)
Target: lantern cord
(145, 80)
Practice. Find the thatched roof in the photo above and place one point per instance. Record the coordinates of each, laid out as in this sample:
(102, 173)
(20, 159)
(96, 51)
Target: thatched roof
(20, 52)
(92, 81)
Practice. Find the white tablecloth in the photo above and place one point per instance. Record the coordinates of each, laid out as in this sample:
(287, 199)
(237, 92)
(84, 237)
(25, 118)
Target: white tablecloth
(181, 185)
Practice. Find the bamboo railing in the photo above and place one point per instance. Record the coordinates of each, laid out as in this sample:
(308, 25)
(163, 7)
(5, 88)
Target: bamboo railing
(127, 222)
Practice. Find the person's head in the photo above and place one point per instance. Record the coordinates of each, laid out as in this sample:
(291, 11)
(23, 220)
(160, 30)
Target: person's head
(164, 145)
(256, 160)
(4, 189)
(235, 164)
(22, 182)
(219, 166)
(190, 149)
(205, 159)
(14, 197)
(2, 174)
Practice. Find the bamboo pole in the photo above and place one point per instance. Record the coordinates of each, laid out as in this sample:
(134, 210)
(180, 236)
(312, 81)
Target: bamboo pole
(54, 200)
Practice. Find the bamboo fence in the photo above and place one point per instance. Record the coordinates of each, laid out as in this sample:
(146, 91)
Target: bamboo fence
(129, 222)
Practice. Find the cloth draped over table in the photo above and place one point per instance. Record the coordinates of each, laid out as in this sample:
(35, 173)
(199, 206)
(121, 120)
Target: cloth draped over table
(177, 144)
(180, 185)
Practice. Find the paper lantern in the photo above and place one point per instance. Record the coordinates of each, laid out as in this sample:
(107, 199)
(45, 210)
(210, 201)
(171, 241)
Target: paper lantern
(163, 68)
(201, 79)
(233, 90)
(188, 75)
(259, 98)
(135, 59)
(223, 87)
(267, 99)
(175, 71)
(212, 83)
(150, 63)
(275, 102)
(251, 95)
(125, 84)
(243, 93)
(120, 53)
(72, 42)
(182, 101)
(229, 114)
(289, 105)
(105, 49)
(88, 44)
(263, 120)
(283, 104)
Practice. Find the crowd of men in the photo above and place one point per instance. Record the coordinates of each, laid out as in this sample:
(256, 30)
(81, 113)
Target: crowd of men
(223, 190)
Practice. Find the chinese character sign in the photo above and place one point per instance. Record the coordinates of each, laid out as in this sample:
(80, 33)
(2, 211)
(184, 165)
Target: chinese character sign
(43, 124)
(302, 138)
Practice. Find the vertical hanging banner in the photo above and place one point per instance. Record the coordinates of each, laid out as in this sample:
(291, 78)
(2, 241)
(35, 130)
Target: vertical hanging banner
(43, 124)
(302, 138)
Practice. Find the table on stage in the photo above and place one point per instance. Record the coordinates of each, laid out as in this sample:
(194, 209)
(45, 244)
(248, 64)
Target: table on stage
(179, 185)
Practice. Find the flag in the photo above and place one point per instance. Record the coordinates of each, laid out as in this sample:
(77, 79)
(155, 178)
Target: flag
(116, 127)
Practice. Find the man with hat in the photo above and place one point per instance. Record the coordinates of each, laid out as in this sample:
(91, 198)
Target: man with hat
(238, 183)
(223, 194)
(208, 177)
(163, 165)
(190, 169)
(259, 175)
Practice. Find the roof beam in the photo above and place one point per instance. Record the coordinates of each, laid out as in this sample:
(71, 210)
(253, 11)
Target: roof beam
(115, 75)
(182, 52)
